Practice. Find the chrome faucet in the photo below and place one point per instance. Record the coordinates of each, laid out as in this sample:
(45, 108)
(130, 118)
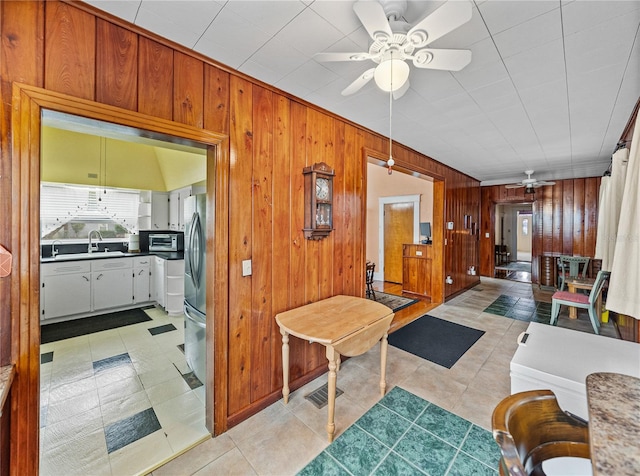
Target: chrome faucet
(54, 251)
(93, 247)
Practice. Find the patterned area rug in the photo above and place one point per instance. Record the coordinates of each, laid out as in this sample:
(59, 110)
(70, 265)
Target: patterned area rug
(405, 434)
(391, 300)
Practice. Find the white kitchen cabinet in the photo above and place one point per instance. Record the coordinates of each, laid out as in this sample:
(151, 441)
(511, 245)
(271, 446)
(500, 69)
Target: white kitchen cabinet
(153, 210)
(176, 208)
(174, 298)
(159, 211)
(157, 280)
(168, 284)
(142, 279)
(111, 283)
(65, 289)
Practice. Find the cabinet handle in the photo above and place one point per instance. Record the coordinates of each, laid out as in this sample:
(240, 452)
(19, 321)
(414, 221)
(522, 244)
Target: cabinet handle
(99, 276)
(85, 278)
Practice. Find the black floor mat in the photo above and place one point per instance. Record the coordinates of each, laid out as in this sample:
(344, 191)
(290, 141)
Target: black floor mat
(442, 342)
(89, 325)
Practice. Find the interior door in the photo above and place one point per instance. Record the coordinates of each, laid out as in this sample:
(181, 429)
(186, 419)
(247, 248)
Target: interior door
(398, 230)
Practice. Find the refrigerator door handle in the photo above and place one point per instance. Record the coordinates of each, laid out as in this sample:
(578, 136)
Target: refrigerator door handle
(193, 313)
(196, 239)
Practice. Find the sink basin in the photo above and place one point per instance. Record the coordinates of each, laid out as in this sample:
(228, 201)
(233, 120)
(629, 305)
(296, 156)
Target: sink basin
(94, 255)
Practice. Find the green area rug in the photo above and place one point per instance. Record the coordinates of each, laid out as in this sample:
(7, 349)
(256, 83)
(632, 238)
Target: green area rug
(404, 434)
(521, 309)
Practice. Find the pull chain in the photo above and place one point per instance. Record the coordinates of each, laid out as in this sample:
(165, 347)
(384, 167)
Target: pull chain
(390, 162)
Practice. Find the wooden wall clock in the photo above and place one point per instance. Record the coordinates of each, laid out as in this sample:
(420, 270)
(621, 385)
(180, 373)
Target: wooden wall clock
(318, 201)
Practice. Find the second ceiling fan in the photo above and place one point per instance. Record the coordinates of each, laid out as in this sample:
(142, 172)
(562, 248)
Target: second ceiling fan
(395, 41)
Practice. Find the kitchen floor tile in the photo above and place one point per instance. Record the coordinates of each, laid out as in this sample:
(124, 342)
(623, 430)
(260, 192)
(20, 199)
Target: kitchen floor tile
(128, 430)
(102, 390)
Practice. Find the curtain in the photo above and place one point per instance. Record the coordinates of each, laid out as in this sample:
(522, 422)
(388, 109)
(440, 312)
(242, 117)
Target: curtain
(623, 295)
(611, 190)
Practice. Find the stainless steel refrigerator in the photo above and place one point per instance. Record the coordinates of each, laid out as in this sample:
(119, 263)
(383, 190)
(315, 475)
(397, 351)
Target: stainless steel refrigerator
(195, 289)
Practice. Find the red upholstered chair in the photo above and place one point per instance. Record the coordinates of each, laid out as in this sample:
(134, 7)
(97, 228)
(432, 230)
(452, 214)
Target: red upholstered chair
(581, 301)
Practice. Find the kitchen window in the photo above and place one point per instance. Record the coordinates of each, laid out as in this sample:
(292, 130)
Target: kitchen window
(70, 212)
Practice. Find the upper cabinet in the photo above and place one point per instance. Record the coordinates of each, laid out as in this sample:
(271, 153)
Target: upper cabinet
(176, 208)
(153, 211)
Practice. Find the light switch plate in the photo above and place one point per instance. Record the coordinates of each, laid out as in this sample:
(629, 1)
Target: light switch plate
(246, 267)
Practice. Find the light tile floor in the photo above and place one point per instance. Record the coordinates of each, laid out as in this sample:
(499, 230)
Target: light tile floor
(118, 402)
(283, 439)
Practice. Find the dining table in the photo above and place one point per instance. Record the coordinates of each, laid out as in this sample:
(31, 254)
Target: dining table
(345, 326)
(613, 402)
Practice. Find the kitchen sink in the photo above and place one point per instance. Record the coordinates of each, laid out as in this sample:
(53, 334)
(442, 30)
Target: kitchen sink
(94, 255)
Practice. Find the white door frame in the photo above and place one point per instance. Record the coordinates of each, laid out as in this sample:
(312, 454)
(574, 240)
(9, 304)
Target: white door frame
(382, 201)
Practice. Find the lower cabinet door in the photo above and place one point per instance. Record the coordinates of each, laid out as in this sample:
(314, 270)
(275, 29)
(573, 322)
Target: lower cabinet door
(65, 295)
(112, 288)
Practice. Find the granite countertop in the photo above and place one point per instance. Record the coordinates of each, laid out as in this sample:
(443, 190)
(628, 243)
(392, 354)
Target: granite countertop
(614, 423)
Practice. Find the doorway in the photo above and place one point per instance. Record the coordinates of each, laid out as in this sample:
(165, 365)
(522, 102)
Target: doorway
(26, 189)
(513, 241)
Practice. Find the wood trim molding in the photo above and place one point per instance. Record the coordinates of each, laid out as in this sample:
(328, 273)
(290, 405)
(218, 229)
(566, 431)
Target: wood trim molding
(27, 105)
(439, 187)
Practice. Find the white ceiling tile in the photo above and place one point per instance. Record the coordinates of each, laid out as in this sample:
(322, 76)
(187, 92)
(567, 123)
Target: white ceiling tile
(339, 13)
(309, 33)
(183, 22)
(480, 77)
(502, 15)
(125, 10)
(434, 85)
(312, 75)
(496, 96)
(269, 17)
(530, 34)
(281, 58)
(583, 15)
(216, 40)
(538, 65)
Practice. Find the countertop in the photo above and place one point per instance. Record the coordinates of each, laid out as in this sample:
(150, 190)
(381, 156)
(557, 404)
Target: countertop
(614, 423)
(174, 255)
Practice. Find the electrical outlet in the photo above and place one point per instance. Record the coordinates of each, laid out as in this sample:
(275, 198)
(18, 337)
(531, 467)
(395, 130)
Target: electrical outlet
(246, 267)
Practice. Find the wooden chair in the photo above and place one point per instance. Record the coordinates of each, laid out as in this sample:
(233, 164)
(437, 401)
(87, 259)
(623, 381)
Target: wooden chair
(572, 267)
(531, 430)
(581, 301)
(369, 279)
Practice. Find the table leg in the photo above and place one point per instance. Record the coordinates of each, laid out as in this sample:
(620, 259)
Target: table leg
(285, 366)
(383, 364)
(332, 357)
(573, 312)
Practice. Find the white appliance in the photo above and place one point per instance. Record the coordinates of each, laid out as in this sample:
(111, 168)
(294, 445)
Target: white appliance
(558, 359)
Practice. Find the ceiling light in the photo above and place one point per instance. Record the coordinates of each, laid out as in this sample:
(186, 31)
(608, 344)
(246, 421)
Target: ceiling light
(391, 74)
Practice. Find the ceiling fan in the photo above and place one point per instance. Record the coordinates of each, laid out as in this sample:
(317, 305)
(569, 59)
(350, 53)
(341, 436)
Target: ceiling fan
(395, 41)
(530, 183)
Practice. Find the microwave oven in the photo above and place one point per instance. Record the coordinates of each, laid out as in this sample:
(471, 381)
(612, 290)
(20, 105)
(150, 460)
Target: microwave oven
(166, 242)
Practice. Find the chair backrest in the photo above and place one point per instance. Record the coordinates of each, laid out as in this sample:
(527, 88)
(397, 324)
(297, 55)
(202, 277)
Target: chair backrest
(574, 266)
(531, 428)
(370, 269)
(601, 278)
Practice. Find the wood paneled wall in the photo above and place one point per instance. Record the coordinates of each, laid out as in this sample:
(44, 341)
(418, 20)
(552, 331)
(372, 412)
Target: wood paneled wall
(74, 49)
(565, 219)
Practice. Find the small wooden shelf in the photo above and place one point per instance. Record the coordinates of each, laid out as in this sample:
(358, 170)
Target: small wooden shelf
(416, 269)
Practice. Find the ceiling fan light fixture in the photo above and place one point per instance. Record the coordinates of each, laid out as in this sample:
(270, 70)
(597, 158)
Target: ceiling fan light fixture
(529, 191)
(383, 74)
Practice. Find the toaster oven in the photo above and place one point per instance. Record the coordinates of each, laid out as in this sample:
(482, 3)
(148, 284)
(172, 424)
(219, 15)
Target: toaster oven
(166, 242)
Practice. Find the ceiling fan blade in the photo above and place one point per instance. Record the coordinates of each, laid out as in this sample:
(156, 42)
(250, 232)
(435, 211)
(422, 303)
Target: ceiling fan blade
(514, 185)
(398, 93)
(450, 60)
(372, 16)
(445, 19)
(342, 56)
(363, 79)
(544, 182)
